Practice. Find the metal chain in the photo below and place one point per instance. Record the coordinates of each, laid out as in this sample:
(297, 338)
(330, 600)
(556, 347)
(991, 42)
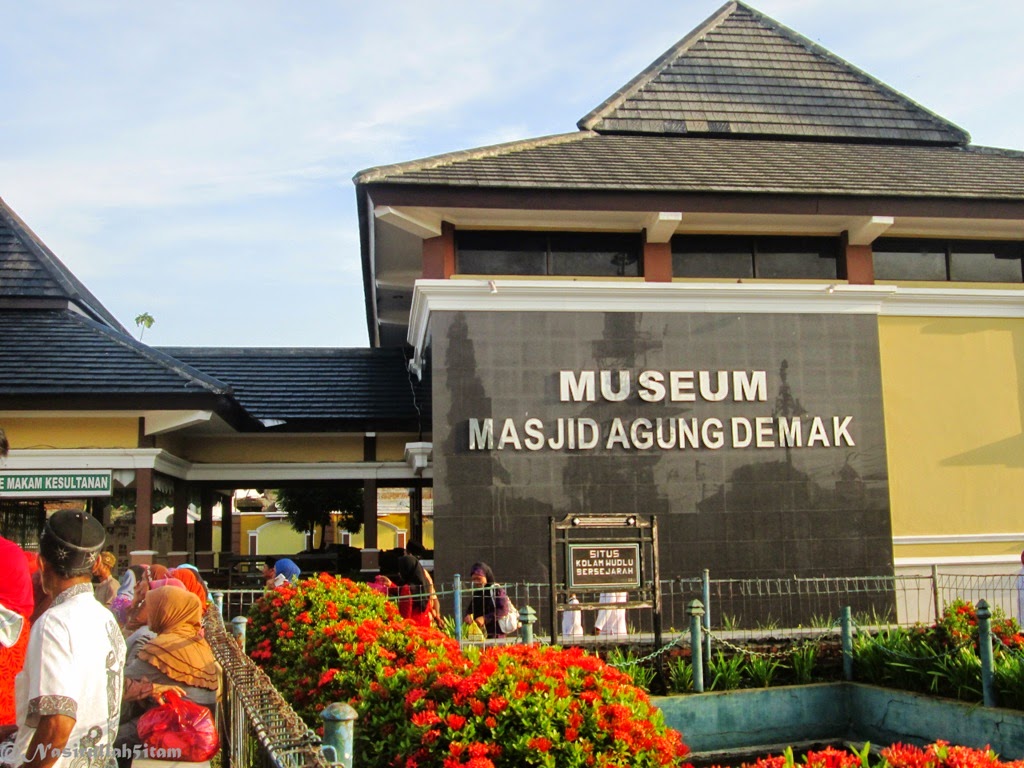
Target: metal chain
(774, 654)
(643, 659)
(1015, 652)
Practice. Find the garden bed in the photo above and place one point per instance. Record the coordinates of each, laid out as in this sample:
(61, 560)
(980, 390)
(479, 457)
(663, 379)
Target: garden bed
(756, 719)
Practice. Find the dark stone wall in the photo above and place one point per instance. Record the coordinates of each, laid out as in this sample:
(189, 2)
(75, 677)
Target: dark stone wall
(740, 512)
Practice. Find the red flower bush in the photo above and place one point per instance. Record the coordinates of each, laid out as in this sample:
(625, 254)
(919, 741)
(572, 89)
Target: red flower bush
(425, 703)
(938, 755)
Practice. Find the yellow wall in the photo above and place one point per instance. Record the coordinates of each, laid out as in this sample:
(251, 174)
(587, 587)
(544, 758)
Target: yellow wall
(392, 447)
(276, 537)
(243, 449)
(76, 432)
(954, 429)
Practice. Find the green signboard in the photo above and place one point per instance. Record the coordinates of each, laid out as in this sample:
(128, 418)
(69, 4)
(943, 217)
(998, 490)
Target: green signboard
(70, 484)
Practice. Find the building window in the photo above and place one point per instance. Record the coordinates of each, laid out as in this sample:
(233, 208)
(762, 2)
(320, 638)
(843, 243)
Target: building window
(770, 258)
(547, 253)
(968, 261)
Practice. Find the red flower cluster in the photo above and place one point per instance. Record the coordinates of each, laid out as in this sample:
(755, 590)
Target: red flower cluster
(938, 755)
(425, 703)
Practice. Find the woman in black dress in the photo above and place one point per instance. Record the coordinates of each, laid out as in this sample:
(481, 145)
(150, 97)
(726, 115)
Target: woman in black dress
(489, 601)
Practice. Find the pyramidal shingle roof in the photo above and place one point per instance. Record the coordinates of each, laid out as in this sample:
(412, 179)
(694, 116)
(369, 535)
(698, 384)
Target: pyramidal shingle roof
(744, 74)
(29, 270)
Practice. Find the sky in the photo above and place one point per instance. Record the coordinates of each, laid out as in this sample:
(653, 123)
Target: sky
(194, 160)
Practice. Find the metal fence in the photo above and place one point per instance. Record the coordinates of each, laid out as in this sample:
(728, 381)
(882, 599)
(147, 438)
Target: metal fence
(752, 608)
(258, 727)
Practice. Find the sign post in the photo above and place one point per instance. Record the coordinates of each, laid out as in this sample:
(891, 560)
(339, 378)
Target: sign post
(592, 554)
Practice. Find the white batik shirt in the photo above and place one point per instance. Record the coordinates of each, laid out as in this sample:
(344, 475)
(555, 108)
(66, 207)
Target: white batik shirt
(74, 666)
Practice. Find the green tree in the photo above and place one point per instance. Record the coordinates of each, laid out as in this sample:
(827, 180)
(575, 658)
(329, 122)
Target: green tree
(144, 321)
(310, 506)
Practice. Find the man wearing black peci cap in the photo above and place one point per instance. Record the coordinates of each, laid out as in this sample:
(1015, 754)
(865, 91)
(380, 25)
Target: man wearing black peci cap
(69, 693)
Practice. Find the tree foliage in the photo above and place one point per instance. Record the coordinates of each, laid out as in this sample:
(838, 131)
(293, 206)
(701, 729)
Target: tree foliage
(143, 322)
(311, 506)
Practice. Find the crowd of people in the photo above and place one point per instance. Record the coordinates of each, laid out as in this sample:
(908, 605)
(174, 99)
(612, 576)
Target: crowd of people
(83, 655)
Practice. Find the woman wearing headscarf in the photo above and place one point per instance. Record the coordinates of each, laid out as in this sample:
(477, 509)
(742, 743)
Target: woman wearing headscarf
(285, 572)
(106, 585)
(417, 600)
(178, 658)
(126, 592)
(489, 601)
(137, 615)
(190, 578)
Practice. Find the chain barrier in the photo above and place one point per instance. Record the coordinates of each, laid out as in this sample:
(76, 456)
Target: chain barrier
(827, 633)
(1016, 653)
(873, 640)
(631, 662)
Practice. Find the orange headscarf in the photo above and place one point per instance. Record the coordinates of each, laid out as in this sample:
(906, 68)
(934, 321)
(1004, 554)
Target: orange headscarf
(188, 577)
(178, 650)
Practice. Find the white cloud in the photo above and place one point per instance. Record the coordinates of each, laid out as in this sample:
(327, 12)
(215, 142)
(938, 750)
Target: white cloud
(196, 157)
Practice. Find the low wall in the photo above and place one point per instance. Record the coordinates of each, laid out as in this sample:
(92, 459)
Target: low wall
(745, 719)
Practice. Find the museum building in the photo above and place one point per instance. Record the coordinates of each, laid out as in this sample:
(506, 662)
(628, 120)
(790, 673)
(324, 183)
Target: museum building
(757, 296)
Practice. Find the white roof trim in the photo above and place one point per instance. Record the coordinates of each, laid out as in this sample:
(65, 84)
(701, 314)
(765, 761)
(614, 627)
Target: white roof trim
(168, 464)
(965, 538)
(459, 295)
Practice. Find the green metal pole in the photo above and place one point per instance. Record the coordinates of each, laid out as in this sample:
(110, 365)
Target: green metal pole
(988, 689)
(706, 597)
(238, 629)
(847, 630)
(340, 731)
(695, 610)
(457, 608)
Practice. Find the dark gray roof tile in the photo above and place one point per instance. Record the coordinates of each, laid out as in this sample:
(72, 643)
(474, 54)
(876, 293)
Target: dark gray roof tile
(62, 353)
(353, 388)
(30, 270)
(741, 67)
(590, 161)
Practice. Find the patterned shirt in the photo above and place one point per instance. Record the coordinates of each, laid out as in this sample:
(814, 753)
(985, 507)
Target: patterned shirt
(74, 666)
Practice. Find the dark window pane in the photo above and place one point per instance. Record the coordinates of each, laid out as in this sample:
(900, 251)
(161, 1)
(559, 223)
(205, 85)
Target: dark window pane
(974, 262)
(501, 253)
(697, 264)
(710, 256)
(609, 255)
(796, 258)
(910, 265)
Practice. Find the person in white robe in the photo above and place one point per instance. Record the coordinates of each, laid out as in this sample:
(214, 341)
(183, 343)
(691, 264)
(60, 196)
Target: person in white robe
(611, 622)
(68, 696)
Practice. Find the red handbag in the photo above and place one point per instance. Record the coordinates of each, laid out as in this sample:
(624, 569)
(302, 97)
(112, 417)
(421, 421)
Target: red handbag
(183, 729)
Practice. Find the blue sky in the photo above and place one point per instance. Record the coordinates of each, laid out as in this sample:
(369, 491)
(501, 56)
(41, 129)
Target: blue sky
(194, 160)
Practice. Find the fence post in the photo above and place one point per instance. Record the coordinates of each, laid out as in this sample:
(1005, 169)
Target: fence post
(340, 731)
(527, 616)
(706, 597)
(218, 600)
(846, 623)
(988, 690)
(935, 593)
(695, 611)
(457, 608)
(238, 630)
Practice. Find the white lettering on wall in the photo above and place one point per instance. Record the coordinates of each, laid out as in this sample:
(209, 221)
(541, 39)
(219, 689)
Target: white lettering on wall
(666, 433)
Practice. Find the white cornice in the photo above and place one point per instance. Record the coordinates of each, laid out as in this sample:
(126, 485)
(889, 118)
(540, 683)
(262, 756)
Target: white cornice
(966, 538)
(678, 297)
(270, 472)
(908, 562)
(93, 458)
(169, 464)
